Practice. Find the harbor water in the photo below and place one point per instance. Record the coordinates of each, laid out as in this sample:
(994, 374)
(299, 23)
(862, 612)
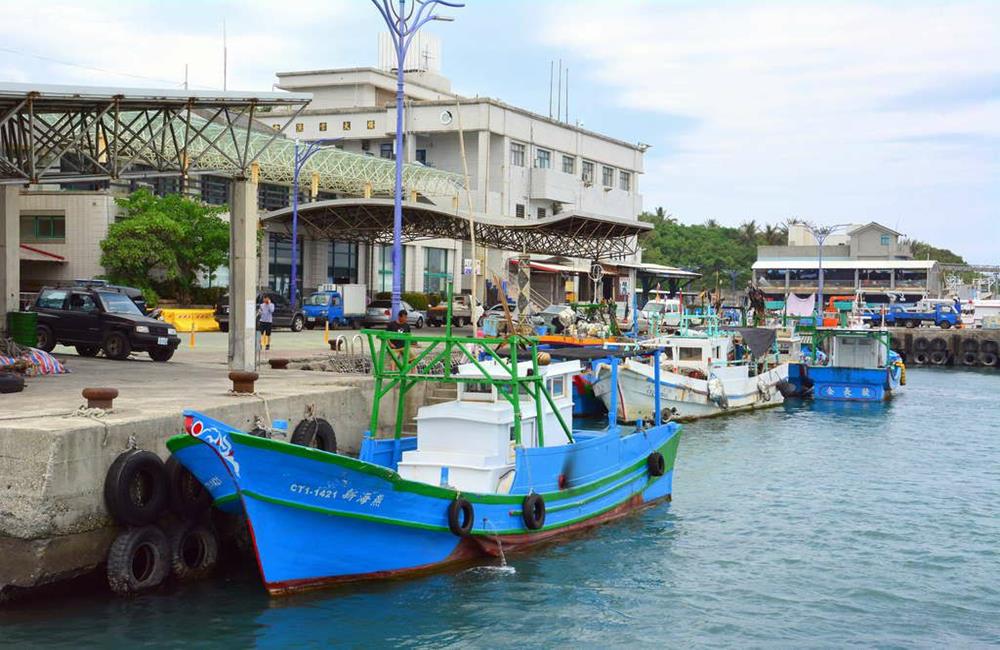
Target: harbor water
(808, 525)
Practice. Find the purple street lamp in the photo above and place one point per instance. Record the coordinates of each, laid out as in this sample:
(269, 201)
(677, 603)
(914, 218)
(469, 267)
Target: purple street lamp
(403, 24)
(300, 161)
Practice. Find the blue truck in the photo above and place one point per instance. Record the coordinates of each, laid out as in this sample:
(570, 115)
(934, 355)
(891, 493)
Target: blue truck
(340, 305)
(944, 315)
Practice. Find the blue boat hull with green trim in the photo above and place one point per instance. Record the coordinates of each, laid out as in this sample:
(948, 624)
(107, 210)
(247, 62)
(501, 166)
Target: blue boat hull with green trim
(318, 518)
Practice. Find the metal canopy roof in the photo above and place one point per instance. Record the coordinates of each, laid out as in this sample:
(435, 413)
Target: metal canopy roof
(71, 133)
(370, 220)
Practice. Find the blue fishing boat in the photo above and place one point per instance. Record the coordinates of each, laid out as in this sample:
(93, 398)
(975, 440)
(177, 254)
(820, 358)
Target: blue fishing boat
(498, 469)
(848, 364)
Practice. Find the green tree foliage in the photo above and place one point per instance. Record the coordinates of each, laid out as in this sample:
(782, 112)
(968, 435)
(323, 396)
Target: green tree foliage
(924, 251)
(172, 235)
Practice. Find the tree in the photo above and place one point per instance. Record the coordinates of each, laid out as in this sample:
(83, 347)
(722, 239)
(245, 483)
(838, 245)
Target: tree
(748, 232)
(773, 235)
(173, 235)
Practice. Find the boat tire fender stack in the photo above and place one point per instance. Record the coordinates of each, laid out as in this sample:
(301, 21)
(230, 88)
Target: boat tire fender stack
(188, 497)
(194, 550)
(461, 516)
(533, 511)
(139, 560)
(135, 488)
(655, 464)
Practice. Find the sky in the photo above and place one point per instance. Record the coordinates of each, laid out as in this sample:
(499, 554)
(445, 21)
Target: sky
(828, 111)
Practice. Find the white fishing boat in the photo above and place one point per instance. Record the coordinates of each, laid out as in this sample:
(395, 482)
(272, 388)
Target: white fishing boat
(699, 374)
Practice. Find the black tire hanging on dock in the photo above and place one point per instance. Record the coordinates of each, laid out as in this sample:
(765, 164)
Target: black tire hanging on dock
(969, 358)
(655, 464)
(139, 560)
(939, 345)
(921, 344)
(135, 488)
(188, 497)
(939, 357)
(988, 359)
(921, 358)
(970, 345)
(194, 551)
(461, 516)
(316, 433)
(989, 345)
(533, 511)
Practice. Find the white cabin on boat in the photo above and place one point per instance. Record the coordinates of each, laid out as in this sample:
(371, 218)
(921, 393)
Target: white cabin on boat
(469, 443)
(700, 353)
(857, 349)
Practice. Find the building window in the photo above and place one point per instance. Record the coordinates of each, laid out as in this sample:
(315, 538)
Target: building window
(43, 228)
(343, 262)
(436, 270)
(608, 176)
(911, 279)
(569, 165)
(279, 264)
(272, 197)
(875, 278)
(385, 150)
(422, 156)
(276, 127)
(214, 190)
(299, 127)
(588, 172)
(322, 126)
(519, 211)
(385, 268)
(517, 154)
(885, 240)
(346, 125)
(541, 213)
(371, 125)
(543, 158)
(625, 181)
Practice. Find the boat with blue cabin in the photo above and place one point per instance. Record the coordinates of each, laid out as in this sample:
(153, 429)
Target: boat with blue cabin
(498, 469)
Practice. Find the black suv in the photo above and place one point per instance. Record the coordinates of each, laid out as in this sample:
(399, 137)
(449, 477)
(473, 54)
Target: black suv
(284, 316)
(95, 319)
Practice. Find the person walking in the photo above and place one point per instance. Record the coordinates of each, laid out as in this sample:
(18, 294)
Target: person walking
(266, 311)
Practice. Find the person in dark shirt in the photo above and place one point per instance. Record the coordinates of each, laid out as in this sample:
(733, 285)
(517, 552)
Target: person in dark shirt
(401, 325)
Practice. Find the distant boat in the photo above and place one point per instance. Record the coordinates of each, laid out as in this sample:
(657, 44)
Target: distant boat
(498, 469)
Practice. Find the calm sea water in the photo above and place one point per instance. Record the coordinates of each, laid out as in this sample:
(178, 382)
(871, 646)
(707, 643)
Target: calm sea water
(804, 526)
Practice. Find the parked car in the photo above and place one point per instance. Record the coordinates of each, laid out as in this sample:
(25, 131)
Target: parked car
(496, 310)
(379, 313)
(461, 311)
(135, 295)
(98, 318)
(284, 315)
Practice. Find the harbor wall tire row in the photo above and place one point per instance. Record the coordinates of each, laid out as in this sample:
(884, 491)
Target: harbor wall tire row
(947, 347)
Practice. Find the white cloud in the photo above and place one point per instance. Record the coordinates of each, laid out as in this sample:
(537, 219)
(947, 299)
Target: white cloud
(800, 109)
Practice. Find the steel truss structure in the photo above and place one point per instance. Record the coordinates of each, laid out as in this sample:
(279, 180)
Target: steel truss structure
(371, 220)
(53, 134)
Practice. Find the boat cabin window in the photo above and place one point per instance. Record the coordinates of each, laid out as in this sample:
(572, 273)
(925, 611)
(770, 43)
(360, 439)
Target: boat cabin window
(689, 354)
(479, 392)
(557, 387)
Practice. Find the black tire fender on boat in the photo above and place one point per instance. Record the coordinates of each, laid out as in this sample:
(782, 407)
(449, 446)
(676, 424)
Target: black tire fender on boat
(533, 511)
(316, 433)
(988, 359)
(939, 357)
(461, 516)
(188, 497)
(135, 488)
(194, 550)
(921, 344)
(139, 560)
(656, 465)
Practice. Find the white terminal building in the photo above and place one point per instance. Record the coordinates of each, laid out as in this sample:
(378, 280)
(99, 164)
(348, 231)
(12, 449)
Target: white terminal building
(519, 164)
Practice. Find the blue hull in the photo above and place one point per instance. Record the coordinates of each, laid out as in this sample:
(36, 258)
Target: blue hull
(847, 384)
(319, 518)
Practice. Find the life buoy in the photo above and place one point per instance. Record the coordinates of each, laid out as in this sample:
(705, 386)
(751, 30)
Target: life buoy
(135, 488)
(461, 516)
(139, 560)
(188, 497)
(655, 464)
(533, 511)
(194, 550)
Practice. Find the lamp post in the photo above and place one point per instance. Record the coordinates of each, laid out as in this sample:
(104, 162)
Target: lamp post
(299, 162)
(403, 24)
(820, 234)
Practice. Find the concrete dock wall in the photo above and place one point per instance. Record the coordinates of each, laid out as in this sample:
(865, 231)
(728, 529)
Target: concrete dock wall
(955, 347)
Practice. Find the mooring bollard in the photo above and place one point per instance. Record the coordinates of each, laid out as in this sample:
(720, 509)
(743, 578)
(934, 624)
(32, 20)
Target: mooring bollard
(243, 381)
(100, 398)
(278, 364)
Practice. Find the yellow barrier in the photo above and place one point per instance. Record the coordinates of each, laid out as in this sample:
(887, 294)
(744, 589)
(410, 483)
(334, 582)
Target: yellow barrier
(184, 319)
